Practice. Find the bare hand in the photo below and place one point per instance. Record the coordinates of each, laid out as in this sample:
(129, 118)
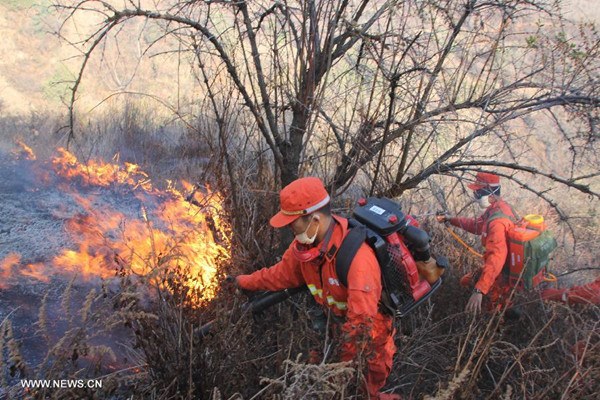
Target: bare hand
(474, 303)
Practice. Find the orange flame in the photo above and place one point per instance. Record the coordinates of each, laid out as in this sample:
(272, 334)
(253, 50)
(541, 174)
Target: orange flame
(8, 270)
(98, 173)
(172, 243)
(24, 151)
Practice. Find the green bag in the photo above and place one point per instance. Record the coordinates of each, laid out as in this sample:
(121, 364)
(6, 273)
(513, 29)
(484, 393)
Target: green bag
(536, 256)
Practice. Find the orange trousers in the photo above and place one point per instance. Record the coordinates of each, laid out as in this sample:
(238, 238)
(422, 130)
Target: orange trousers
(380, 354)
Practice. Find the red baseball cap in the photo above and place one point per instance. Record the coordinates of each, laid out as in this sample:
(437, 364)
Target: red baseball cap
(301, 197)
(485, 180)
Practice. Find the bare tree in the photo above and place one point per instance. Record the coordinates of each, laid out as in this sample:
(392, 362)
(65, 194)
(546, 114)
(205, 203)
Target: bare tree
(473, 71)
(396, 90)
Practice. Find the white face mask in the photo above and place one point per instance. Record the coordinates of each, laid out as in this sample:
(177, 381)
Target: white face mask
(303, 237)
(484, 202)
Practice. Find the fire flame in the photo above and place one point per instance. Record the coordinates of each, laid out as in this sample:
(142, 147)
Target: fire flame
(175, 242)
(24, 151)
(98, 173)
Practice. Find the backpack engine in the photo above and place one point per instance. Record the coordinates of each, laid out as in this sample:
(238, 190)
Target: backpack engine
(398, 243)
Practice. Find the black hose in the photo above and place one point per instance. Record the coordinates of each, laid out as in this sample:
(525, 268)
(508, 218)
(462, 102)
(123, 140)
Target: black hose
(269, 299)
(257, 305)
(418, 240)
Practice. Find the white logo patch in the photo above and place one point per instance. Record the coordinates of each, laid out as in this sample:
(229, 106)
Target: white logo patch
(333, 281)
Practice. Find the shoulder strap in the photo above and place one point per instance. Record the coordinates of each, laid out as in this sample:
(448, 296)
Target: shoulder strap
(515, 215)
(499, 215)
(348, 249)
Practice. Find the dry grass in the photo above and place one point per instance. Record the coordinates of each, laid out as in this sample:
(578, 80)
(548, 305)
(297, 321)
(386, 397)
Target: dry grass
(73, 352)
(302, 380)
(14, 359)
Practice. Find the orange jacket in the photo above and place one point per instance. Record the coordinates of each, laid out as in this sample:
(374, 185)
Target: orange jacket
(493, 238)
(358, 303)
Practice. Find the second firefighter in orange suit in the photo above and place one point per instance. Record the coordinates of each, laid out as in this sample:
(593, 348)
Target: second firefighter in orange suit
(588, 293)
(489, 280)
(583, 294)
(310, 261)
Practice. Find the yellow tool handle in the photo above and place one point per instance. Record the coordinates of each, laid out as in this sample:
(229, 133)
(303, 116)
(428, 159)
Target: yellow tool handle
(459, 240)
(548, 277)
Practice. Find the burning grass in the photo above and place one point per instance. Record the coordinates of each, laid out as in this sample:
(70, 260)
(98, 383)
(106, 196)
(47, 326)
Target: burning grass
(121, 224)
(131, 246)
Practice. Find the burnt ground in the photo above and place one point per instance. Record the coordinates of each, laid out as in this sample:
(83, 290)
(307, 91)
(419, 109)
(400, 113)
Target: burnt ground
(34, 209)
(32, 214)
(35, 204)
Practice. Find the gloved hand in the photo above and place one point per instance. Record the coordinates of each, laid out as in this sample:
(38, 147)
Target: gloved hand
(442, 217)
(231, 280)
(559, 295)
(230, 285)
(233, 284)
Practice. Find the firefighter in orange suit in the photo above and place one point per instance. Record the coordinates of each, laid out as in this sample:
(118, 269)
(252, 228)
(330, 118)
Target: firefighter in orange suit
(493, 226)
(310, 261)
(584, 294)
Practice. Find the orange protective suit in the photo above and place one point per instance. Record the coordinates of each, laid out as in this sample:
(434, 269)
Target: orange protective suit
(494, 238)
(365, 330)
(584, 294)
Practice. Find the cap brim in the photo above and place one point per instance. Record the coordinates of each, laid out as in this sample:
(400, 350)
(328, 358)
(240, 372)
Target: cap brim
(280, 220)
